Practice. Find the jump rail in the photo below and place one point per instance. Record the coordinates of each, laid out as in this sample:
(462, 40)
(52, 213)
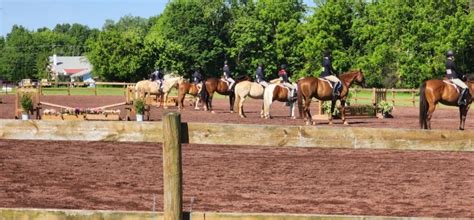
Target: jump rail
(171, 132)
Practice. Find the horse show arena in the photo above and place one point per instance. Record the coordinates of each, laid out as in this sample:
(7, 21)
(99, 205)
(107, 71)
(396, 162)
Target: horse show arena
(127, 176)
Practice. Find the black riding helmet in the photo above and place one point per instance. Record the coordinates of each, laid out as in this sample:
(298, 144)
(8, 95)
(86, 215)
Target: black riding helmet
(283, 66)
(327, 53)
(450, 53)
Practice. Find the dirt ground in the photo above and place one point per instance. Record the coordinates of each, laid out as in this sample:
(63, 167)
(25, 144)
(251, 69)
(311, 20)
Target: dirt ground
(127, 176)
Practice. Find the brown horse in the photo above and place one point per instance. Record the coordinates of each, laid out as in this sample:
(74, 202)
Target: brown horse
(321, 89)
(434, 91)
(220, 86)
(184, 88)
(276, 92)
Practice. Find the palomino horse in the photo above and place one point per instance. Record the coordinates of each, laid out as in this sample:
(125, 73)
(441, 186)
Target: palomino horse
(276, 92)
(147, 87)
(184, 88)
(253, 90)
(434, 91)
(220, 86)
(321, 89)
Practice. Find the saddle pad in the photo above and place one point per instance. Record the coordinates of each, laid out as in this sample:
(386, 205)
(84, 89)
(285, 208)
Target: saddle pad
(453, 85)
(329, 82)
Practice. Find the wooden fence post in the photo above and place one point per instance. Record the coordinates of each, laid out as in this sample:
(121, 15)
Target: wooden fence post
(172, 167)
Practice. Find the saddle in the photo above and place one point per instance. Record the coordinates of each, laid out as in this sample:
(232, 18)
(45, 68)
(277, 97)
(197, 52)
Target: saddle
(332, 85)
(224, 80)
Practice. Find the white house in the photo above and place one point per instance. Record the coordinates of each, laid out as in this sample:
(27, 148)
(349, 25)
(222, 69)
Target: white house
(77, 68)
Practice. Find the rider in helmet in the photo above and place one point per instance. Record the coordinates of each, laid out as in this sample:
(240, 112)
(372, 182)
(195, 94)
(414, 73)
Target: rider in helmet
(157, 76)
(330, 74)
(260, 76)
(284, 76)
(455, 76)
(197, 78)
(227, 76)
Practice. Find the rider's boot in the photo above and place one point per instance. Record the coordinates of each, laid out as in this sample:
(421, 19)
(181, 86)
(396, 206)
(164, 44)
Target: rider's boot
(462, 100)
(335, 91)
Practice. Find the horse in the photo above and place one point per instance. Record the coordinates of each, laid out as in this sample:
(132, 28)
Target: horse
(253, 90)
(147, 87)
(434, 91)
(184, 88)
(321, 89)
(220, 86)
(276, 92)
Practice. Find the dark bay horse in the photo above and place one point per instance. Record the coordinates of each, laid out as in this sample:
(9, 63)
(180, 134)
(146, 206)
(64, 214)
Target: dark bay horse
(434, 91)
(310, 87)
(220, 86)
(184, 88)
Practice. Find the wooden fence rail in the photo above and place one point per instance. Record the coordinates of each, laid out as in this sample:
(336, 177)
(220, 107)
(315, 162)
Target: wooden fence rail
(171, 132)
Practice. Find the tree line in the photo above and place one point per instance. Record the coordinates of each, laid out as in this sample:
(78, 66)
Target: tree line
(396, 43)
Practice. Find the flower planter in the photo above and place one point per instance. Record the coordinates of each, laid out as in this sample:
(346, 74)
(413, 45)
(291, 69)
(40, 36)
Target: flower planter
(68, 117)
(139, 117)
(51, 117)
(102, 117)
(25, 116)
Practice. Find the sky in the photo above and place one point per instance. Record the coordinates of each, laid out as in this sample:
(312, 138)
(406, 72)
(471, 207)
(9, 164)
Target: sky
(34, 14)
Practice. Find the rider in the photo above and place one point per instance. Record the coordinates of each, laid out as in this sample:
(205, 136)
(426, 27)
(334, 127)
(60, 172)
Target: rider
(157, 76)
(330, 74)
(197, 78)
(227, 76)
(455, 76)
(284, 76)
(260, 77)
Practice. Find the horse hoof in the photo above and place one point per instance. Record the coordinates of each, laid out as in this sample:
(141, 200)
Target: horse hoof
(242, 116)
(346, 123)
(330, 123)
(231, 111)
(165, 107)
(293, 117)
(308, 123)
(313, 123)
(197, 108)
(213, 112)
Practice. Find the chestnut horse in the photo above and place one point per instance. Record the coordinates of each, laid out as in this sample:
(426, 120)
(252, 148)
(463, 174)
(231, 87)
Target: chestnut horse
(321, 89)
(434, 91)
(220, 86)
(277, 92)
(184, 88)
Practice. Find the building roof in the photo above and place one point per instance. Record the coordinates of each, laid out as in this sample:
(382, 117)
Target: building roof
(68, 65)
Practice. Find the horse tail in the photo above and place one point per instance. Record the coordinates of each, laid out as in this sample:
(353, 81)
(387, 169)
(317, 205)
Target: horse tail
(204, 94)
(300, 99)
(423, 107)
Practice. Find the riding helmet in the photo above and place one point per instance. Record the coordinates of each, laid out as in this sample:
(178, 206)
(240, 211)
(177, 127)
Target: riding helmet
(283, 66)
(450, 53)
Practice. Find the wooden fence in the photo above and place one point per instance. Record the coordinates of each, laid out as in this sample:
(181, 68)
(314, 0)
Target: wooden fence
(171, 132)
(71, 85)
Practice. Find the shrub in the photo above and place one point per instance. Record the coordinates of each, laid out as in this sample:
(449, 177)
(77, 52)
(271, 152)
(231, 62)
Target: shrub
(139, 106)
(26, 103)
(385, 107)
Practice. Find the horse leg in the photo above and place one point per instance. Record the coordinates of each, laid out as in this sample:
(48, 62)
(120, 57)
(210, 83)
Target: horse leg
(343, 112)
(307, 116)
(231, 102)
(462, 116)
(431, 109)
(292, 110)
(241, 107)
(165, 100)
(210, 104)
(262, 112)
(196, 103)
(333, 104)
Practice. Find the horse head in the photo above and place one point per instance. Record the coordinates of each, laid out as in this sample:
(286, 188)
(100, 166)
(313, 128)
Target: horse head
(353, 76)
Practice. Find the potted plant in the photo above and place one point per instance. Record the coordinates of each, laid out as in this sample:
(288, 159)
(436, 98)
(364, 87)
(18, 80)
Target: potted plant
(139, 106)
(385, 109)
(27, 106)
(327, 110)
